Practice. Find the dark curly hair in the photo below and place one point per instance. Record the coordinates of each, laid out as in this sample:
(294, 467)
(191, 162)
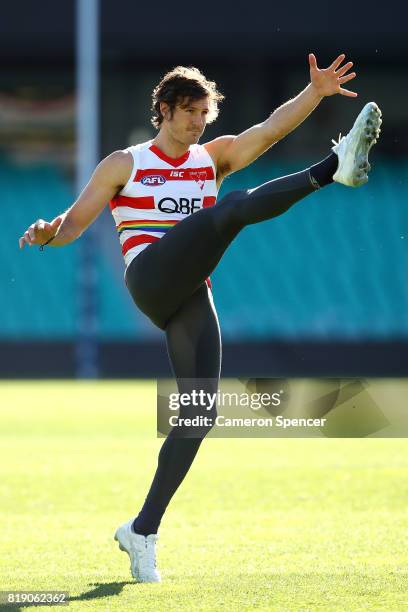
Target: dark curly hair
(182, 85)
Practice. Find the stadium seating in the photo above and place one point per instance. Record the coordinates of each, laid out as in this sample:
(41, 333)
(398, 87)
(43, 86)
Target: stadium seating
(38, 289)
(332, 267)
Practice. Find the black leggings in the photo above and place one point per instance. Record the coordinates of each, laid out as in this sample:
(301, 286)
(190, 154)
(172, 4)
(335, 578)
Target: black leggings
(167, 283)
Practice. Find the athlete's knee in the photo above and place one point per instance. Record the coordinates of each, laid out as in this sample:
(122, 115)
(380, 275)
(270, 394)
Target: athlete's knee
(208, 421)
(211, 418)
(197, 424)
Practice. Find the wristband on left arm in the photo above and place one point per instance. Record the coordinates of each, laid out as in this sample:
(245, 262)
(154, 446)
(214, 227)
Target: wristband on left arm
(45, 243)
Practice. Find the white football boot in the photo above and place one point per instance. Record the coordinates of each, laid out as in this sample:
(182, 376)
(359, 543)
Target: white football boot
(142, 552)
(352, 150)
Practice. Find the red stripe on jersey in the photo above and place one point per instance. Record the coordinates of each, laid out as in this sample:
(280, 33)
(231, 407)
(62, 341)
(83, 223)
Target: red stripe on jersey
(173, 161)
(208, 281)
(136, 240)
(139, 202)
(186, 174)
(209, 201)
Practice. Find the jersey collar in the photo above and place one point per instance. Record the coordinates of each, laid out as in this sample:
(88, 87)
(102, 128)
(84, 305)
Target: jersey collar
(173, 161)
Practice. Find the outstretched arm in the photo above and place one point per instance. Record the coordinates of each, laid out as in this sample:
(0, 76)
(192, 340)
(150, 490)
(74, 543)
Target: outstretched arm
(111, 174)
(231, 153)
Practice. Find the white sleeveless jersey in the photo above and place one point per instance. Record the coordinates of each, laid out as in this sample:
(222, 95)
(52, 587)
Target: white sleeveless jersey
(161, 192)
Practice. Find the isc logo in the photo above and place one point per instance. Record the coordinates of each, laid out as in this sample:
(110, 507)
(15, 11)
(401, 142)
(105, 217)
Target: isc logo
(152, 180)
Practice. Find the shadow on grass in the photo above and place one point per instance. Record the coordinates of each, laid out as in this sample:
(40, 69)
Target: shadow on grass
(107, 589)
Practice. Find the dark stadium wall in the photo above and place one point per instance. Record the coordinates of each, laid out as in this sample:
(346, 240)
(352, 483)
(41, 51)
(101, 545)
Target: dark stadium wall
(139, 32)
(254, 359)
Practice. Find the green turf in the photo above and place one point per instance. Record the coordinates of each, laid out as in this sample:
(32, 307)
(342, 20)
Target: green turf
(264, 524)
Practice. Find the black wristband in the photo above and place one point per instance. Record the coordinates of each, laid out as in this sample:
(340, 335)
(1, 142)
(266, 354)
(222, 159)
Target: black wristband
(45, 243)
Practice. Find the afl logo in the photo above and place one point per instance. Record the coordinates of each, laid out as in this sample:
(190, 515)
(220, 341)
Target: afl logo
(152, 180)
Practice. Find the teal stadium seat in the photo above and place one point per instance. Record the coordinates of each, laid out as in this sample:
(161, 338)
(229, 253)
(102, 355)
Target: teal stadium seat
(333, 267)
(38, 290)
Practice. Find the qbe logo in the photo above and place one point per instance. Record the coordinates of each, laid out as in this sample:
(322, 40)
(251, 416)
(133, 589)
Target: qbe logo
(184, 206)
(153, 180)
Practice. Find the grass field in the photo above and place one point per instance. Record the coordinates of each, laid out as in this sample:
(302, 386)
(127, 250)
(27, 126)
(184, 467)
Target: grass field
(264, 524)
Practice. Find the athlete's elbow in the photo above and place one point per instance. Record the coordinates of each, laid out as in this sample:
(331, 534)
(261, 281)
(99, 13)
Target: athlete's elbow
(272, 131)
(273, 136)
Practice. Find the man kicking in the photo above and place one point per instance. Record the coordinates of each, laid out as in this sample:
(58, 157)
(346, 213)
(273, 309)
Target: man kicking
(173, 233)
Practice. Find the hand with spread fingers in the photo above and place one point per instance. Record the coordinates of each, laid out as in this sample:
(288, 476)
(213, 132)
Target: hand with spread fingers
(329, 81)
(40, 232)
